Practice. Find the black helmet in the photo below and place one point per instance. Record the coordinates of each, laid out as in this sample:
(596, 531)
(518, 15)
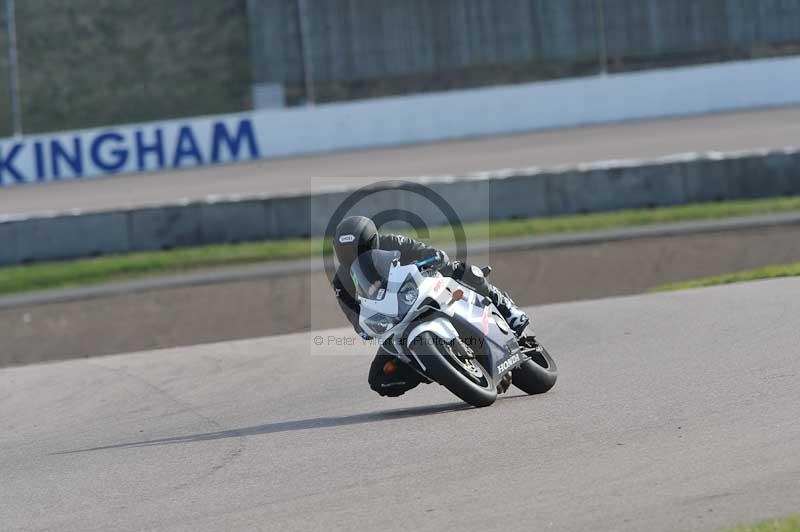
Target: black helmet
(354, 236)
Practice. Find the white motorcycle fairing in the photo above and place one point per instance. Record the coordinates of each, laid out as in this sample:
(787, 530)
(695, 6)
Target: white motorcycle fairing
(441, 327)
(400, 302)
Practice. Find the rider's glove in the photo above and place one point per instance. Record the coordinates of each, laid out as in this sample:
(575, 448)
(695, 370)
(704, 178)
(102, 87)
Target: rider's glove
(364, 336)
(441, 260)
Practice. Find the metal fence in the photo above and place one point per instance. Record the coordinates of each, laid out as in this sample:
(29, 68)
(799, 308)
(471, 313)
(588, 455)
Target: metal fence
(85, 63)
(326, 50)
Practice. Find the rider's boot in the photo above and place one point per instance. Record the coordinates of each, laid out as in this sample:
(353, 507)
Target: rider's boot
(514, 316)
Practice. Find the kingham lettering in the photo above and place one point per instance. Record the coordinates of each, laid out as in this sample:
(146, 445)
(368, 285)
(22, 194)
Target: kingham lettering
(151, 147)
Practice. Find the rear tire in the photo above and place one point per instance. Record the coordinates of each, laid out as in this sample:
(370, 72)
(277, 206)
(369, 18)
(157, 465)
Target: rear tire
(442, 364)
(537, 375)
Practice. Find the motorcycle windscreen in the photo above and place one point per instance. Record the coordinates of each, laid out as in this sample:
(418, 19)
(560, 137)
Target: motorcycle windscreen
(370, 273)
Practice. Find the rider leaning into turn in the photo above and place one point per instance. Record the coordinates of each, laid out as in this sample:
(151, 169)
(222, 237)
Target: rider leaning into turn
(356, 235)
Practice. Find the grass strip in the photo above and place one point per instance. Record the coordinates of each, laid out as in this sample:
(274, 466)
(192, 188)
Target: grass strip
(789, 524)
(81, 272)
(768, 272)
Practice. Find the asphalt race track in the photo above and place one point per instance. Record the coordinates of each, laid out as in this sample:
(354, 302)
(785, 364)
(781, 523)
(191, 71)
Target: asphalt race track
(675, 411)
(776, 128)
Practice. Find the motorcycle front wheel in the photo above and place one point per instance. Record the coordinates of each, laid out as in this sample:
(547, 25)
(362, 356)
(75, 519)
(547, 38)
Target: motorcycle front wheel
(453, 365)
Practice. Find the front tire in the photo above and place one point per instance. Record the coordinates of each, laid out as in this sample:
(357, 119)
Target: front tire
(445, 363)
(536, 375)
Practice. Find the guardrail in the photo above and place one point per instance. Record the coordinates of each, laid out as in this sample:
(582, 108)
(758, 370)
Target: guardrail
(604, 186)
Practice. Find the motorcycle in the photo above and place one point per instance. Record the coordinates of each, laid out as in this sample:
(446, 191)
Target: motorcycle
(445, 331)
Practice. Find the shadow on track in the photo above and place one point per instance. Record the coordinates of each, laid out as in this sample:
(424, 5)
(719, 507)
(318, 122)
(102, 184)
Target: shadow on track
(290, 426)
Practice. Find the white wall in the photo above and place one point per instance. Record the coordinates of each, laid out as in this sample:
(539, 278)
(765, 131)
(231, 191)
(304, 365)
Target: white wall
(553, 104)
(400, 120)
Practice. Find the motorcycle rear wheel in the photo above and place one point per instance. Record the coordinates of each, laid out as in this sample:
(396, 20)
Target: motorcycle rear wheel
(452, 365)
(537, 375)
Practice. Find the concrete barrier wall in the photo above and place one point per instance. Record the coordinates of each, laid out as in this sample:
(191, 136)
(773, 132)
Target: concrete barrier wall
(532, 106)
(490, 196)
(203, 141)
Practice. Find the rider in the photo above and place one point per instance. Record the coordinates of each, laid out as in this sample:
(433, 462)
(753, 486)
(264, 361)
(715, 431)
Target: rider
(358, 234)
